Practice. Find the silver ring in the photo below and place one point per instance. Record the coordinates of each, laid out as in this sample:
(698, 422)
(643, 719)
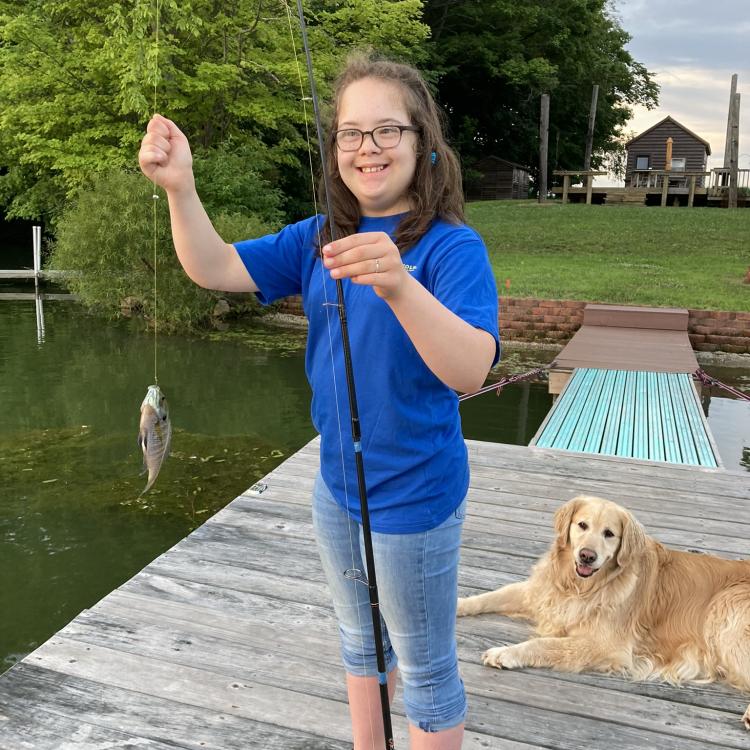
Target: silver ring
(377, 265)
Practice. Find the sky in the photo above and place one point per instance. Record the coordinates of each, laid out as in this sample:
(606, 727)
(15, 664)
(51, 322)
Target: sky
(692, 48)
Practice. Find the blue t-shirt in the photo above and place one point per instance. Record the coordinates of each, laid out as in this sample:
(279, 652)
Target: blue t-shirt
(415, 458)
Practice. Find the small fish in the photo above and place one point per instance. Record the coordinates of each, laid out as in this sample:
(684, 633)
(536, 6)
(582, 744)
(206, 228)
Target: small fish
(155, 433)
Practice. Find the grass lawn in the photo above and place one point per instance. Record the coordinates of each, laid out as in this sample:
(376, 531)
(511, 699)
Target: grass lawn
(661, 257)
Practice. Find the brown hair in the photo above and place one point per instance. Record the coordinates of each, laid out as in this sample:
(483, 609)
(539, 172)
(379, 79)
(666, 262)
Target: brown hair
(435, 190)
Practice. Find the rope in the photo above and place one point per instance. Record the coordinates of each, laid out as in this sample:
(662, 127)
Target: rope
(699, 374)
(708, 380)
(503, 382)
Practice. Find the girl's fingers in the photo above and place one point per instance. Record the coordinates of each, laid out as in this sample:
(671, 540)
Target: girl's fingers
(158, 125)
(149, 155)
(375, 267)
(359, 240)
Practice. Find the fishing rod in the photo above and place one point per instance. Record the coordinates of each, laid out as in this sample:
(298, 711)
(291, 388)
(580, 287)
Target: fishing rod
(372, 585)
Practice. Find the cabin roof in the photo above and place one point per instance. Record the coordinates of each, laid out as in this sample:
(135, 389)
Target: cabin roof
(504, 161)
(679, 125)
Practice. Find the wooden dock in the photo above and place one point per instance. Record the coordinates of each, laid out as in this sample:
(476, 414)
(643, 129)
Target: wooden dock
(228, 640)
(30, 273)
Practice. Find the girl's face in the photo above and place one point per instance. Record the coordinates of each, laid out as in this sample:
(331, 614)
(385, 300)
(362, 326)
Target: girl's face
(378, 177)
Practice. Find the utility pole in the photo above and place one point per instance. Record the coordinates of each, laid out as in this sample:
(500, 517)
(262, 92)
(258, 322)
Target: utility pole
(590, 134)
(734, 150)
(543, 147)
(728, 142)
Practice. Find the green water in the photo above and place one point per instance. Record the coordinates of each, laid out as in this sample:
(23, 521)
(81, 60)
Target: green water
(72, 526)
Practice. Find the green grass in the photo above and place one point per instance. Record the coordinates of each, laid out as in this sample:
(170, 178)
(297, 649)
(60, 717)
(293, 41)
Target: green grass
(671, 257)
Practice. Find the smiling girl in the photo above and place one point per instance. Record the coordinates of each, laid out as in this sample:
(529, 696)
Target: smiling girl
(422, 312)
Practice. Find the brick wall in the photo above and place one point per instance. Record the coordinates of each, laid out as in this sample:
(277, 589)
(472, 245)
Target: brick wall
(712, 331)
(539, 320)
(555, 321)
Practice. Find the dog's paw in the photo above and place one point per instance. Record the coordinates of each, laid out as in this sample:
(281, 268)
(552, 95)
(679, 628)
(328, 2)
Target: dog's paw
(746, 719)
(463, 607)
(499, 657)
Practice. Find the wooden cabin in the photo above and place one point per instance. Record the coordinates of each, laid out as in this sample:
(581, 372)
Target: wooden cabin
(499, 179)
(648, 151)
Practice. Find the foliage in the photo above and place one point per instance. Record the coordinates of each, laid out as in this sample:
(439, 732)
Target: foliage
(107, 237)
(79, 80)
(494, 58)
(615, 160)
(664, 257)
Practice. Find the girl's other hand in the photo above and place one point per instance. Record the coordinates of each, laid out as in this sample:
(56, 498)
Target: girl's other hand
(368, 258)
(165, 157)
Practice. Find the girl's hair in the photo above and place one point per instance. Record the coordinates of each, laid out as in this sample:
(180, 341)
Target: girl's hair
(435, 190)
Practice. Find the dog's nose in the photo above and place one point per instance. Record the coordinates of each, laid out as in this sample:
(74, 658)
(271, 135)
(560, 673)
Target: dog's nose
(587, 556)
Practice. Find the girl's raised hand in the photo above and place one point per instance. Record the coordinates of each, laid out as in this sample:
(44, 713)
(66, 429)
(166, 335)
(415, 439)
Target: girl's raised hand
(165, 157)
(369, 258)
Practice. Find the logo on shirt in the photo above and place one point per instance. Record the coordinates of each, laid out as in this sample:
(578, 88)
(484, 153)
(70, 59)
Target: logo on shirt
(409, 268)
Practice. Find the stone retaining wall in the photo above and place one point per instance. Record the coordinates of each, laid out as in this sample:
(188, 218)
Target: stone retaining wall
(555, 321)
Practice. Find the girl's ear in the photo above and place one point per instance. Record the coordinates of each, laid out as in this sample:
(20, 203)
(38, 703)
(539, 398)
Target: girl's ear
(563, 519)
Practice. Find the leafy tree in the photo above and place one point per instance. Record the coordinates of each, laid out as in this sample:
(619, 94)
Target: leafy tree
(494, 58)
(107, 237)
(78, 82)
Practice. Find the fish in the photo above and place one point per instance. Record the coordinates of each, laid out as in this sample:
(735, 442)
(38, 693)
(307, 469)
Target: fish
(154, 434)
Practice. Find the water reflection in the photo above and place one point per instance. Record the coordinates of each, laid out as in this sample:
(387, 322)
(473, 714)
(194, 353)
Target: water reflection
(39, 316)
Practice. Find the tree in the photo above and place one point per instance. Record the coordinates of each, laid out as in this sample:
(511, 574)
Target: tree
(79, 80)
(494, 58)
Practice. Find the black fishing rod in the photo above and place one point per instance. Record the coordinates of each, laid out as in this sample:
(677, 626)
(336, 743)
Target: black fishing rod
(372, 585)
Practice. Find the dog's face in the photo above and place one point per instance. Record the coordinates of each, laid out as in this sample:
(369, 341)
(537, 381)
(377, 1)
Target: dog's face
(598, 533)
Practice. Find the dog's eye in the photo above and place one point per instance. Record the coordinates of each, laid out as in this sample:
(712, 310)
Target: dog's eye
(608, 534)
(583, 525)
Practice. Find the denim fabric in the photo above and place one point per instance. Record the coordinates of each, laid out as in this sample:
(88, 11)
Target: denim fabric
(417, 578)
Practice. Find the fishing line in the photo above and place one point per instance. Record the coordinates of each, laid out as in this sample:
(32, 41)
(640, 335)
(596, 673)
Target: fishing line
(155, 195)
(353, 574)
(326, 304)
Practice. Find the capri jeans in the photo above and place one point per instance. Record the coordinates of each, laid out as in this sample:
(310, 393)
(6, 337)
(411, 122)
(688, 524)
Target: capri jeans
(417, 577)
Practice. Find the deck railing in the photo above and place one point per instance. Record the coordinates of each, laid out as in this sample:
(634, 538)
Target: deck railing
(654, 178)
(719, 183)
(586, 175)
(666, 180)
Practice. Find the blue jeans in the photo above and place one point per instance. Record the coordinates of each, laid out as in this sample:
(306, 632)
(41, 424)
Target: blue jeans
(417, 577)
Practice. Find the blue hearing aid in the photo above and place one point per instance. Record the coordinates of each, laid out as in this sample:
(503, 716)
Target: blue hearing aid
(433, 157)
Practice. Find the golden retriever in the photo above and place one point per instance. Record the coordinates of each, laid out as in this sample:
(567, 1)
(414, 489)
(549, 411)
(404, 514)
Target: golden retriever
(609, 598)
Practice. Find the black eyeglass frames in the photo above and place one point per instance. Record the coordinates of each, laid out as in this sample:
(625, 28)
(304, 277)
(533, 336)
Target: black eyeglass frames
(385, 136)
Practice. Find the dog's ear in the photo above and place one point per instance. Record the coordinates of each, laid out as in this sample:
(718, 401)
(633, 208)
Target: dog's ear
(563, 519)
(633, 541)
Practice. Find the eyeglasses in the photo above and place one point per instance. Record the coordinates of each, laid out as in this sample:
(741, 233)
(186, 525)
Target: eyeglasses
(385, 136)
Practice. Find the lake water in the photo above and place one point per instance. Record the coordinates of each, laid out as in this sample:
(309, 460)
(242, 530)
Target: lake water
(72, 526)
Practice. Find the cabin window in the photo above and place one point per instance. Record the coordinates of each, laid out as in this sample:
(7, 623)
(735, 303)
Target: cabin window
(678, 165)
(641, 162)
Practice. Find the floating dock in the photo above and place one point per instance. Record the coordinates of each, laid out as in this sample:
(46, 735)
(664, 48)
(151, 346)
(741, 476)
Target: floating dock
(625, 389)
(228, 640)
(649, 415)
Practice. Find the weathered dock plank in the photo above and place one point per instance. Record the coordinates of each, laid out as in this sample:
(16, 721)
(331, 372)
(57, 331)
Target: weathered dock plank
(228, 640)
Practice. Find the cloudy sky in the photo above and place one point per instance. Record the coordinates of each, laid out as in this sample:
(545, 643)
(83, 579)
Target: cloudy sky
(693, 47)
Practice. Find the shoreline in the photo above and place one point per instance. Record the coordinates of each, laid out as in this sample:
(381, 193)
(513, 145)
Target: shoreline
(717, 359)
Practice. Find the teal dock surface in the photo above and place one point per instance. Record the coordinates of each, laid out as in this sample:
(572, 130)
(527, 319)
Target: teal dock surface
(228, 641)
(655, 416)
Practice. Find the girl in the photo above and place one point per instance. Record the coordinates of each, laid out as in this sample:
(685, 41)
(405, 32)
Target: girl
(422, 311)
